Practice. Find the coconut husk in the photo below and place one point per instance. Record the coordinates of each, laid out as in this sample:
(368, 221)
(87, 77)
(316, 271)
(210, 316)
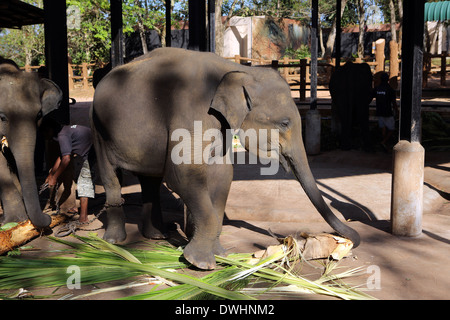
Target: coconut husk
(311, 247)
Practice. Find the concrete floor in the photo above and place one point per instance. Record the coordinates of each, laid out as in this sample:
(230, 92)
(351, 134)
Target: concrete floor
(356, 185)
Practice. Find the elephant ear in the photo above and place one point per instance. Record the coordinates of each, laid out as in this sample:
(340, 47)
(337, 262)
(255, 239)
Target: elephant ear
(51, 96)
(232, 98)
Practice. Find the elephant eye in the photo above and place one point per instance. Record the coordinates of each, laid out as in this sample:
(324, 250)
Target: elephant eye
(39, 115)
(284, 123)
(3, 117)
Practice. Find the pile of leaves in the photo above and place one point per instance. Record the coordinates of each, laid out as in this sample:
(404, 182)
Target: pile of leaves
(238, 276)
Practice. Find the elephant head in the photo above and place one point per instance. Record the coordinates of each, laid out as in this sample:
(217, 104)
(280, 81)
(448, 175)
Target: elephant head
(261, 99)
(25, 99)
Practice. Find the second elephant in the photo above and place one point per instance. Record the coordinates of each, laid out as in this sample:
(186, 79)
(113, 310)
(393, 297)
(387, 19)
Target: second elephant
(24, 100)
(351, 93)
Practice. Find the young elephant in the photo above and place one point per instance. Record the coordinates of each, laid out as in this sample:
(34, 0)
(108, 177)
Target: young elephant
(142, 113)
(24, 99)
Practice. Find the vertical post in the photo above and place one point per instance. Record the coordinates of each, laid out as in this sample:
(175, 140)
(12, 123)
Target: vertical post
(286, 69)
(313, 118)
(84, 71)
(379, 54)
(338, 34)
(302, 79)
(56, 53)
(70, 71)
(275, 65)
(116, 33)
(443, 67)
(197, 25)
(212, 25)
(168, 23)
(408, 169)
(393, 64)
(314, 52)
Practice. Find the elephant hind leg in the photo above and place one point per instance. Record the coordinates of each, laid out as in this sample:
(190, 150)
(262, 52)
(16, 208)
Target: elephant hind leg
(115, 216)
(153, 225)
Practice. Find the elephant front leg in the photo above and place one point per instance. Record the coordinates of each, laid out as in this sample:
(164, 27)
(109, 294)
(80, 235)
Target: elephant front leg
(204, 244)
(11, 197)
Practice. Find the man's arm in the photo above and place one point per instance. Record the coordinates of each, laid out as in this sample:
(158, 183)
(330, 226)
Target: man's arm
(58, 168)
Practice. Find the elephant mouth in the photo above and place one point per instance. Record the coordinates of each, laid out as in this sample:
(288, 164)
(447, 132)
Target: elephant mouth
(285, 162)
(4, 143)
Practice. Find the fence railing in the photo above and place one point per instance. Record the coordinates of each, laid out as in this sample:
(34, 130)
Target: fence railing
(430, 68)
(297, 71)
(80, 75)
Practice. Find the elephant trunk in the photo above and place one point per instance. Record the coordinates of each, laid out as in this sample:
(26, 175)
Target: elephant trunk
(23, 152)
(298, 163)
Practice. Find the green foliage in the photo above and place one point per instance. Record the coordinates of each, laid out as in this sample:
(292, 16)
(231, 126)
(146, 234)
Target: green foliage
(91, 41)
(302, 52)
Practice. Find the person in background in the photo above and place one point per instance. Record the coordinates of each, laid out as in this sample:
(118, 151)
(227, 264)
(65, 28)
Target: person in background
(386, 105)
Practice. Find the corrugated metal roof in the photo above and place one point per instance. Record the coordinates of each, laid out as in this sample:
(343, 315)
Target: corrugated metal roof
(437, 11)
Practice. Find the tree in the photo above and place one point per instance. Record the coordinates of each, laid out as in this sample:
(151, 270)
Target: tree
(332, 35)
(362, 27)
(92, 40)
(26, 46)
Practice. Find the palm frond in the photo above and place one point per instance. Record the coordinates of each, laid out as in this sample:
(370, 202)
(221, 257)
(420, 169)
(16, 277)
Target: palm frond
(100, 262)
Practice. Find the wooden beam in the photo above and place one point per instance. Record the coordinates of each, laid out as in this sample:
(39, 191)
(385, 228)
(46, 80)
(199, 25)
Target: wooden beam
(197, 25)
(412, 62)
(55, 23)
(116, 33)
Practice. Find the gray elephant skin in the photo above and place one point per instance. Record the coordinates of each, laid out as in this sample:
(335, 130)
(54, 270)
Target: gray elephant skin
(139, 105)
(24, 100)
(351, 93)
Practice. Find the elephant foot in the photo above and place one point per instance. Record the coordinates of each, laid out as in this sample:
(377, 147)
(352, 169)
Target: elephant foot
(150, 232)
(115, 234)
(218, 250)
(115, 228)
(199, 256)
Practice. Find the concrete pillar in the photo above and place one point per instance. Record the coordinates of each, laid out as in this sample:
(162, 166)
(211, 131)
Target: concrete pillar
(407, 189)
(408, 171)
(312, 132)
